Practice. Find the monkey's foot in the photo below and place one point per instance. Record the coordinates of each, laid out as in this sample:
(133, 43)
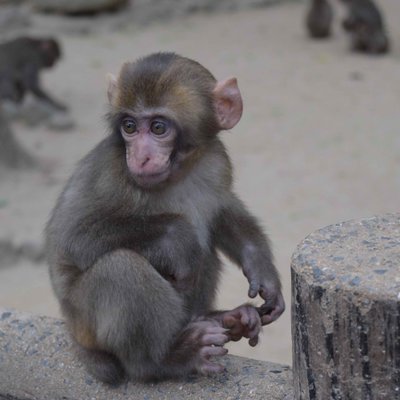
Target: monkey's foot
(377, 43)
(210, 337)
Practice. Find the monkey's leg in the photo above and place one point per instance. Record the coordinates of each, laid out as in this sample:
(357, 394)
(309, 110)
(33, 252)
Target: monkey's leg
(319, 19)
(238, 235)
(365, 23)
(126, 314)
(131, 319)
(30, 79)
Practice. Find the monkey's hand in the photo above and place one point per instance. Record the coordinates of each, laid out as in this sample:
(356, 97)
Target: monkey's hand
(274, 304)
(243, 321)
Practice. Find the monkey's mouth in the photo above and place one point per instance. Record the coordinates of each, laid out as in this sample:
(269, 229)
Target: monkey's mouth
(150, 180)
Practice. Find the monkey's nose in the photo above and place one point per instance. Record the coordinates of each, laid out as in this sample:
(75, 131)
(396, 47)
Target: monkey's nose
(144, 162)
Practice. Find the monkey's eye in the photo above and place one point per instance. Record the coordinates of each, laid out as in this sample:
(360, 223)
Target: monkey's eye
(129, 126)
(158, 127)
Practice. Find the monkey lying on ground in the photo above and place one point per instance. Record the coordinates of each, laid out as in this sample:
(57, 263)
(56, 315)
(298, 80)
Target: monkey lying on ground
(364, 23)
(132, 241)
(21, 61)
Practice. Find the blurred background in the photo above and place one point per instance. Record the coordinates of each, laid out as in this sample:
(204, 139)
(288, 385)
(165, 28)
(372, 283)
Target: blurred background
(319, 141)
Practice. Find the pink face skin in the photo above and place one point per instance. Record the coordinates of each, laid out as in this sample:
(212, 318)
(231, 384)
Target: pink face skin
(149, 143)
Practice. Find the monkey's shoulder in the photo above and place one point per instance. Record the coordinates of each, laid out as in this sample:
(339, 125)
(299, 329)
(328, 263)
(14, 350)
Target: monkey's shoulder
(101, 166)
(91, 180)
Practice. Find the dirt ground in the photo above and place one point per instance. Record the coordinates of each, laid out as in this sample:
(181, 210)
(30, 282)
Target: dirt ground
(319, 141)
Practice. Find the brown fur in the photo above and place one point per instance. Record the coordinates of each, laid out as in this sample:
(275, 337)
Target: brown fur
(135, 267)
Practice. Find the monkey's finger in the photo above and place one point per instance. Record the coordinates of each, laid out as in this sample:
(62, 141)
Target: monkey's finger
(254, 289)
(209, 351)
(237, 332)
(214, 339)
(266, 319)
(236, 329)
(264, 309)
(253, 333)
(245, 317)
(236, 337)
(229, 322)
(209, 367)
(253, 341)
(254, 319)
(216, 329)
(272, 313)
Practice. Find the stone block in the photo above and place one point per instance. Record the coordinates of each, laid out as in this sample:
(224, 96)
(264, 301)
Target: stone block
(37, 362)
(346, 311)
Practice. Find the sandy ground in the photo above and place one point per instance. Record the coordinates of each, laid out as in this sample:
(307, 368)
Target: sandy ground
(318, 143)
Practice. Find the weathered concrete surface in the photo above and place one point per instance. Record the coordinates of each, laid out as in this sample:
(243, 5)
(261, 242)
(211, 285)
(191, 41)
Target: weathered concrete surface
(346, 311)
(36, 363)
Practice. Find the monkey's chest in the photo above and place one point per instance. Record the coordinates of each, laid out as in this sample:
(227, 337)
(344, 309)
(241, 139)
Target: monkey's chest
(199, 209)
(201, 223)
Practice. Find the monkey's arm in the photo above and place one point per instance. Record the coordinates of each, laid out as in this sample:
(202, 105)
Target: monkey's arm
(32, 83)
(238, 235)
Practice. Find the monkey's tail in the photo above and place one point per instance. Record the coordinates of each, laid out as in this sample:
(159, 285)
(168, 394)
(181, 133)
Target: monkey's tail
(102, 365)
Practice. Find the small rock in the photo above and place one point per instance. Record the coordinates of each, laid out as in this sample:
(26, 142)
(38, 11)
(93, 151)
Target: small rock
(5, 315)
(356, 76)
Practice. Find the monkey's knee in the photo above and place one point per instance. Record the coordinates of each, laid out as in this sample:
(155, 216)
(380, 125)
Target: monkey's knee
(131, 311)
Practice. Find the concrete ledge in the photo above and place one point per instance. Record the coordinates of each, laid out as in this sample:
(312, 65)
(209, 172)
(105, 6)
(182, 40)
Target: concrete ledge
(36, 364)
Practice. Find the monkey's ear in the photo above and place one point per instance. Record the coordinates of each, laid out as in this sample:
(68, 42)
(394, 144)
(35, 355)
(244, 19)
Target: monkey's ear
(112, 88)
(228, 103)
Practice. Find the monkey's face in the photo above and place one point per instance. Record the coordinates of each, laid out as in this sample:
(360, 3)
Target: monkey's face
(50, 52)
(168, 109)
(149, 143)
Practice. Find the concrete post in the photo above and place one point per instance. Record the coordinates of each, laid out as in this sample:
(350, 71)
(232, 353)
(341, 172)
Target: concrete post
(346, 312)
